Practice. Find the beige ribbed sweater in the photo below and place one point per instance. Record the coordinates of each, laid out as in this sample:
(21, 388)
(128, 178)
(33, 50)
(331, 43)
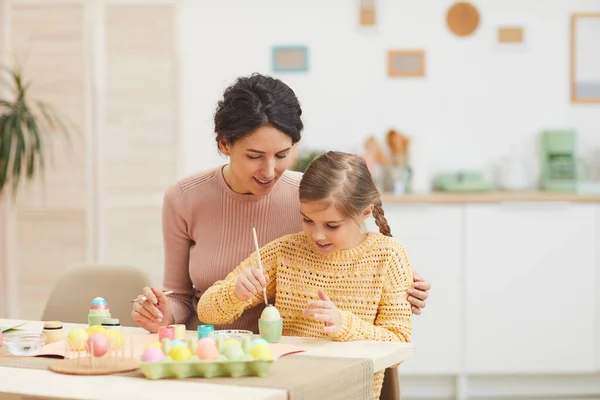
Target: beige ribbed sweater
(207, 233)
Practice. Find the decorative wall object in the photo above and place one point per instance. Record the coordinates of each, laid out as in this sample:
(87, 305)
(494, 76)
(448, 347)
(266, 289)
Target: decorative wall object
(585, 60)
(510, 35)
(406, 63)
(462, 19)
(290, 59)
(367, 12)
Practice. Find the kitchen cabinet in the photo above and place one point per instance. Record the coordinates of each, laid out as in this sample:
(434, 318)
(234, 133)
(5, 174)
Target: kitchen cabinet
(432, 237)
(530, 288)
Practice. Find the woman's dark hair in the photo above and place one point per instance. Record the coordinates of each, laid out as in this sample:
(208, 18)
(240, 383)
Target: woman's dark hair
(255, 101)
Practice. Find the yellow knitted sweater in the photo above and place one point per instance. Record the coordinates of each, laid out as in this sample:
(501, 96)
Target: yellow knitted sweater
(367, 283)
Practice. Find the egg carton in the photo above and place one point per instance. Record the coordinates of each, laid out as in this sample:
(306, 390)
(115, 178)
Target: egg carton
(196, 368)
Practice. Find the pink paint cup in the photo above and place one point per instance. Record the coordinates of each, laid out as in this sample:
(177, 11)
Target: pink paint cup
(166, 332)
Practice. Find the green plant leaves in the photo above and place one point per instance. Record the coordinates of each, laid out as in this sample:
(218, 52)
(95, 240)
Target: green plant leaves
(24, 127)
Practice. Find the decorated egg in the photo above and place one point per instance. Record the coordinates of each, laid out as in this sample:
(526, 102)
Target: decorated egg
(180, 353)
(77, 339)
(177, 342)
(116, 338)
(96, 329)
(152, 354)
(207, 349)
(270, 313)
(261, 352)
(99, 304)
(231, 342)
(152, 344)
(234, 353)
(258, 341)
(98, 342)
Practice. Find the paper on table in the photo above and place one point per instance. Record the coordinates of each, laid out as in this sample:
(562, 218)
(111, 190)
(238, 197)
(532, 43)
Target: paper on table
(141, 340)
(8, 324)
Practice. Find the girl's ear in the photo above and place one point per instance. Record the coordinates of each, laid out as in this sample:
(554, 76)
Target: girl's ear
(367, 212)
(225, 147)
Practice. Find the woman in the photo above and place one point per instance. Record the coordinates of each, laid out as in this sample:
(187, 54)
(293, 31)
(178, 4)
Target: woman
(208, 218)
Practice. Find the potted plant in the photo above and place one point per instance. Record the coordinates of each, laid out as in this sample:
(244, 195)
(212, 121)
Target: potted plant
(304, 159)
(26, 126)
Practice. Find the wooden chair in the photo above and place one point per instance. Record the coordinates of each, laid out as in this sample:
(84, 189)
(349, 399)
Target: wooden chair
(79, 285)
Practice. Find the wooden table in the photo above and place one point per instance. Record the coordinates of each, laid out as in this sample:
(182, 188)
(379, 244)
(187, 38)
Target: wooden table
(32, 382)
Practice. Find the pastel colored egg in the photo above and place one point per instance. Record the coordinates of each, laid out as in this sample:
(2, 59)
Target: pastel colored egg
(116, 338)
(96, 329)
(177, 342)
(261, 352)
(152, 354)
(231, 342)
(258, 341)
(233, 353)
(97, 344)
(180, 353)
(99, 304)
(270, 313)
(77, 339)
(207, 350)
(153, 344)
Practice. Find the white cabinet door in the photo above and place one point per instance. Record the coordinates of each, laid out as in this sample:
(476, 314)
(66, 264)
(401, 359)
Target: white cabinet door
(530, 288)
(431, 235)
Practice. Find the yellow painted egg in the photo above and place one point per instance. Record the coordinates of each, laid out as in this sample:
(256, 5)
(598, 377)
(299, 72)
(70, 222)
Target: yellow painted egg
(96, 329)
(77, 339)
(261, 351)
(116, 338)
(180, 353)
(231, 342)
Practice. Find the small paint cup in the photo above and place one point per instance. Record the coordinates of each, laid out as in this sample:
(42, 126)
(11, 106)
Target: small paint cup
(270, 330)
(54, 331)
(205, 330)
(179, 331)
(166, 332)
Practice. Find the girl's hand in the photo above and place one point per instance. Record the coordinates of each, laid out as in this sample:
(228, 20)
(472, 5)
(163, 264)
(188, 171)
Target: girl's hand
(250, 282)
(153, 312)
(324, 310)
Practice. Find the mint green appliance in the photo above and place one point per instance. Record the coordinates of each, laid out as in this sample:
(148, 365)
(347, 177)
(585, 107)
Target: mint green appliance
(561, 168)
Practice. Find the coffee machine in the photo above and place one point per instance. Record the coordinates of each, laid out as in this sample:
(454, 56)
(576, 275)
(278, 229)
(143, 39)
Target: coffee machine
(561, 168)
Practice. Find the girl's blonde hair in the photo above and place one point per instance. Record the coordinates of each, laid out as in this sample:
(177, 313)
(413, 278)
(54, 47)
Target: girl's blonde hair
(345, 180)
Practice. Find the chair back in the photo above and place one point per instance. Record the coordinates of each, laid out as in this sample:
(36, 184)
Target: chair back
(76, 288)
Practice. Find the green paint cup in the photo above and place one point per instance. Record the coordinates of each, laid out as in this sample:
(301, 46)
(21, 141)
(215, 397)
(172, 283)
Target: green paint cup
(270, 330)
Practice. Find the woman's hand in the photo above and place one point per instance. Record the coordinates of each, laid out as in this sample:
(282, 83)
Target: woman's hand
(250, 282)
(418, 293)
(153, 312)
(324, 310)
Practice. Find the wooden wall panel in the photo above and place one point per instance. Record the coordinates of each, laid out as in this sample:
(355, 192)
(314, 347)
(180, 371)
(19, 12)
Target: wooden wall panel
(139, 137)
(50, 219)
(47, 40)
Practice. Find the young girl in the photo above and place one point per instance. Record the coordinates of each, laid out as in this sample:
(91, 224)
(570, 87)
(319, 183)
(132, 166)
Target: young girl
(333, 279)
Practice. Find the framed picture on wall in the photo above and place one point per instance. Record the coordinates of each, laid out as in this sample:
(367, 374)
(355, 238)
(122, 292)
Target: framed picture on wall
(585, 58)
(290, 59)
(511, 35)
(406, 63)
(367, 12)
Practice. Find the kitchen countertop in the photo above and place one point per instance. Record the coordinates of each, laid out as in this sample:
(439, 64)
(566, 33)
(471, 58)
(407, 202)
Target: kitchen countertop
(488, 197)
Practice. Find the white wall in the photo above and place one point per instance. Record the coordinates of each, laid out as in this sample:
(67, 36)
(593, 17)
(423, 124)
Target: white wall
(476, 100)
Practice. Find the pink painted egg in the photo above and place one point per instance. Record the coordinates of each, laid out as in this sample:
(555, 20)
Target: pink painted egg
(207, 349)
(153, 354)
(99, 343)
